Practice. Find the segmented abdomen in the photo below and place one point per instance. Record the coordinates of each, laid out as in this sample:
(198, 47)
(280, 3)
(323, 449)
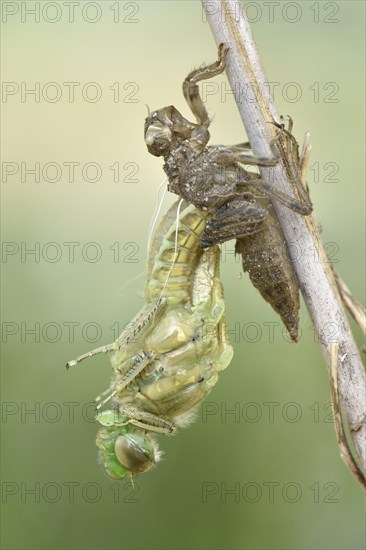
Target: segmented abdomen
(265, 257)
(171, 266)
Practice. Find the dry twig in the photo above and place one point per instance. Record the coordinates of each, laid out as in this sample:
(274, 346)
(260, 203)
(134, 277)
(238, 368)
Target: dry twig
(345, 451)
(317, 284)
(354, 307)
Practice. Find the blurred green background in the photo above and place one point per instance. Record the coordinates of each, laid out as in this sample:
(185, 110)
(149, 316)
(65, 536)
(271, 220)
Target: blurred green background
(246, 480)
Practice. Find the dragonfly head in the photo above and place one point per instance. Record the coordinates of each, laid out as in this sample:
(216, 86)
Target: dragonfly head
(164, 128)
(124, 450)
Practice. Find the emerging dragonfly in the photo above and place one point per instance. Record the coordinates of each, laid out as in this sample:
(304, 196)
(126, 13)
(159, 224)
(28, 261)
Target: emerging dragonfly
(168, 359)
(238, 202)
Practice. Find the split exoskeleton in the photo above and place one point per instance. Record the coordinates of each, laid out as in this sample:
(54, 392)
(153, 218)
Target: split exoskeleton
(238, 202)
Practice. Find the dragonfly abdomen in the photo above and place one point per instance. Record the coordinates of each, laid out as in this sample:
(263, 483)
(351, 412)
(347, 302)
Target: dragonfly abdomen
(176, 259)
(266, 259)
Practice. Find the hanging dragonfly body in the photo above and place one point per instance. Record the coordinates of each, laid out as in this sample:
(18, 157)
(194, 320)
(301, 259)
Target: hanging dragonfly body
(169, 357)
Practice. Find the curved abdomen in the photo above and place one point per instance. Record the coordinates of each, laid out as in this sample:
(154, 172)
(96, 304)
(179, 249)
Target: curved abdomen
(171, 266)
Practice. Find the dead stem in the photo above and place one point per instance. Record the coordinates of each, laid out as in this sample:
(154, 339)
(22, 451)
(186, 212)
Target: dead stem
(317, 284)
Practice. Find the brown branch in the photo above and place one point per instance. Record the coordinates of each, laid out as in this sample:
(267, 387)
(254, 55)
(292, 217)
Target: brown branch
(317, 284)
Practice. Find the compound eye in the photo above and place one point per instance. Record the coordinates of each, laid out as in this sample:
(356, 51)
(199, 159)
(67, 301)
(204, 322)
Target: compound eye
(135, 452)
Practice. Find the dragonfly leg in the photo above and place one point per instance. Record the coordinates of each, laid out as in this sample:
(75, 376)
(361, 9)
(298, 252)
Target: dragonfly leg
(137, 365)
(229, 154)
(302, 206)
(153, 423)
(103, 349)
(100, 396)
(133, 415)
(304, 160)
(296, 167)
(142, 321)
(191, 90)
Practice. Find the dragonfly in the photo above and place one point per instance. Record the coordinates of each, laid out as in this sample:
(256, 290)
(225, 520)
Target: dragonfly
(167, 360)
(239, 202)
